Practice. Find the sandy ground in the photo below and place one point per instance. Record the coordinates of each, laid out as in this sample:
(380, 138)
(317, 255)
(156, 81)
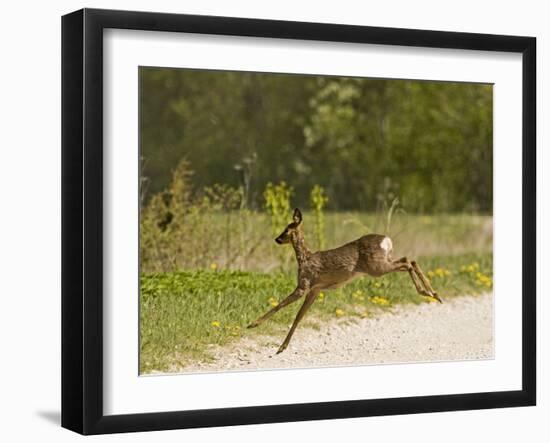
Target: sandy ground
(459, 329)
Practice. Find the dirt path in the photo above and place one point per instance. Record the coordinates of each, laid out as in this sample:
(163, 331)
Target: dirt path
(459, 329)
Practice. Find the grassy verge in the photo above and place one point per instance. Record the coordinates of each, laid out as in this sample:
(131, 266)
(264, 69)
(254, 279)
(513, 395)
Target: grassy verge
(243, 240)
(182, 313)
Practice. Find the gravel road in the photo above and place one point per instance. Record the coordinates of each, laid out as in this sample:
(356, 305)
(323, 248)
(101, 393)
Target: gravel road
(459, 329)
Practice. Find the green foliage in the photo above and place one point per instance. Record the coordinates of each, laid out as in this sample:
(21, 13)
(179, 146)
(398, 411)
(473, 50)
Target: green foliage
(183, 228)
(277, 205)
(176, 228)
(428, 143)
(318, 201)
(182, 313)
(164, 220)
(365, 141)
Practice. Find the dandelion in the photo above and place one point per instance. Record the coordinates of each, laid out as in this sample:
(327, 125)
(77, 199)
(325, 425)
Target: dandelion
(483, 280)
(321, 295)
(471, 268)
(358, 295)
(381, 301)
(439, 272)
(213, 266)
(339, 312)
(216, 324)
(273, 302)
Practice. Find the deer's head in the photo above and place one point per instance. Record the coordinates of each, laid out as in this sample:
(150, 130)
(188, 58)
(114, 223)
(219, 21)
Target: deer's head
(291, 229)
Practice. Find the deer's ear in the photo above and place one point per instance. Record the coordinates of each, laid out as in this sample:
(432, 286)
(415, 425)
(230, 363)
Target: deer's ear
(297, 217)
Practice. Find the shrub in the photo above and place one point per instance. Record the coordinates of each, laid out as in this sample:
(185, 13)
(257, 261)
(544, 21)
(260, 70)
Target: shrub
(318, 201)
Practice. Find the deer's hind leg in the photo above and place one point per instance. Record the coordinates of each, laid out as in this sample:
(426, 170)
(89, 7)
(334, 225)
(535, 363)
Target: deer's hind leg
(421, 283)
(310, 298)
(425, 281)
(296, 294)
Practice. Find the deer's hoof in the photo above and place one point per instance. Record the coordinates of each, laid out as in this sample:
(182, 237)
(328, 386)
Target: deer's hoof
(252, 325)
(281, 349)
(437, 297)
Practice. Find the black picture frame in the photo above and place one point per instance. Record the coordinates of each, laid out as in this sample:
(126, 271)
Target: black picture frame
(82, 218)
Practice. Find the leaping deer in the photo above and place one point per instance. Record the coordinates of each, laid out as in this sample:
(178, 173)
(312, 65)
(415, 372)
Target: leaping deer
(370, 254)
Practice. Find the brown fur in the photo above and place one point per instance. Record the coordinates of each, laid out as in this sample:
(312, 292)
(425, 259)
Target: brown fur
(333, 268)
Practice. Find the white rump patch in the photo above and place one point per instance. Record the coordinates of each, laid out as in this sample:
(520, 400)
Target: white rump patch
(386, 244)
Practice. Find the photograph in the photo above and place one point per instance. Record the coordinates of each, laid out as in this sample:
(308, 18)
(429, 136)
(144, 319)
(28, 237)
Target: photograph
(294, 221)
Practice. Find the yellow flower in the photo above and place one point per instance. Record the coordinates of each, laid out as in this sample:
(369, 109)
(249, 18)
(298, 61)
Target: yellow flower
(216, 324)
(321, 295)
(471, 268)
(483, 280)
(213, 266)
(439, 272)
(273, 301)
(377, 284)
(339, 312)
(380, 301)
(358, 295)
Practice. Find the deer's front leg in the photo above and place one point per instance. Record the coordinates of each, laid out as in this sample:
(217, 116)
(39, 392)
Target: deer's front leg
(310, 298)
(296, 294)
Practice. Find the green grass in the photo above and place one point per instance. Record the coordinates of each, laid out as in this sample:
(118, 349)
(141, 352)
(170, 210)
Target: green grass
(182, 313)
(243, 240)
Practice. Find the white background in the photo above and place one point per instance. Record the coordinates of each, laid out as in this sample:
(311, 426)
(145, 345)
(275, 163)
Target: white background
(30, 219)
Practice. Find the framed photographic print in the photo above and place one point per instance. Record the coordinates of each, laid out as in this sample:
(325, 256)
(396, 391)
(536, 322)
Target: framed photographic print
(269, 221)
